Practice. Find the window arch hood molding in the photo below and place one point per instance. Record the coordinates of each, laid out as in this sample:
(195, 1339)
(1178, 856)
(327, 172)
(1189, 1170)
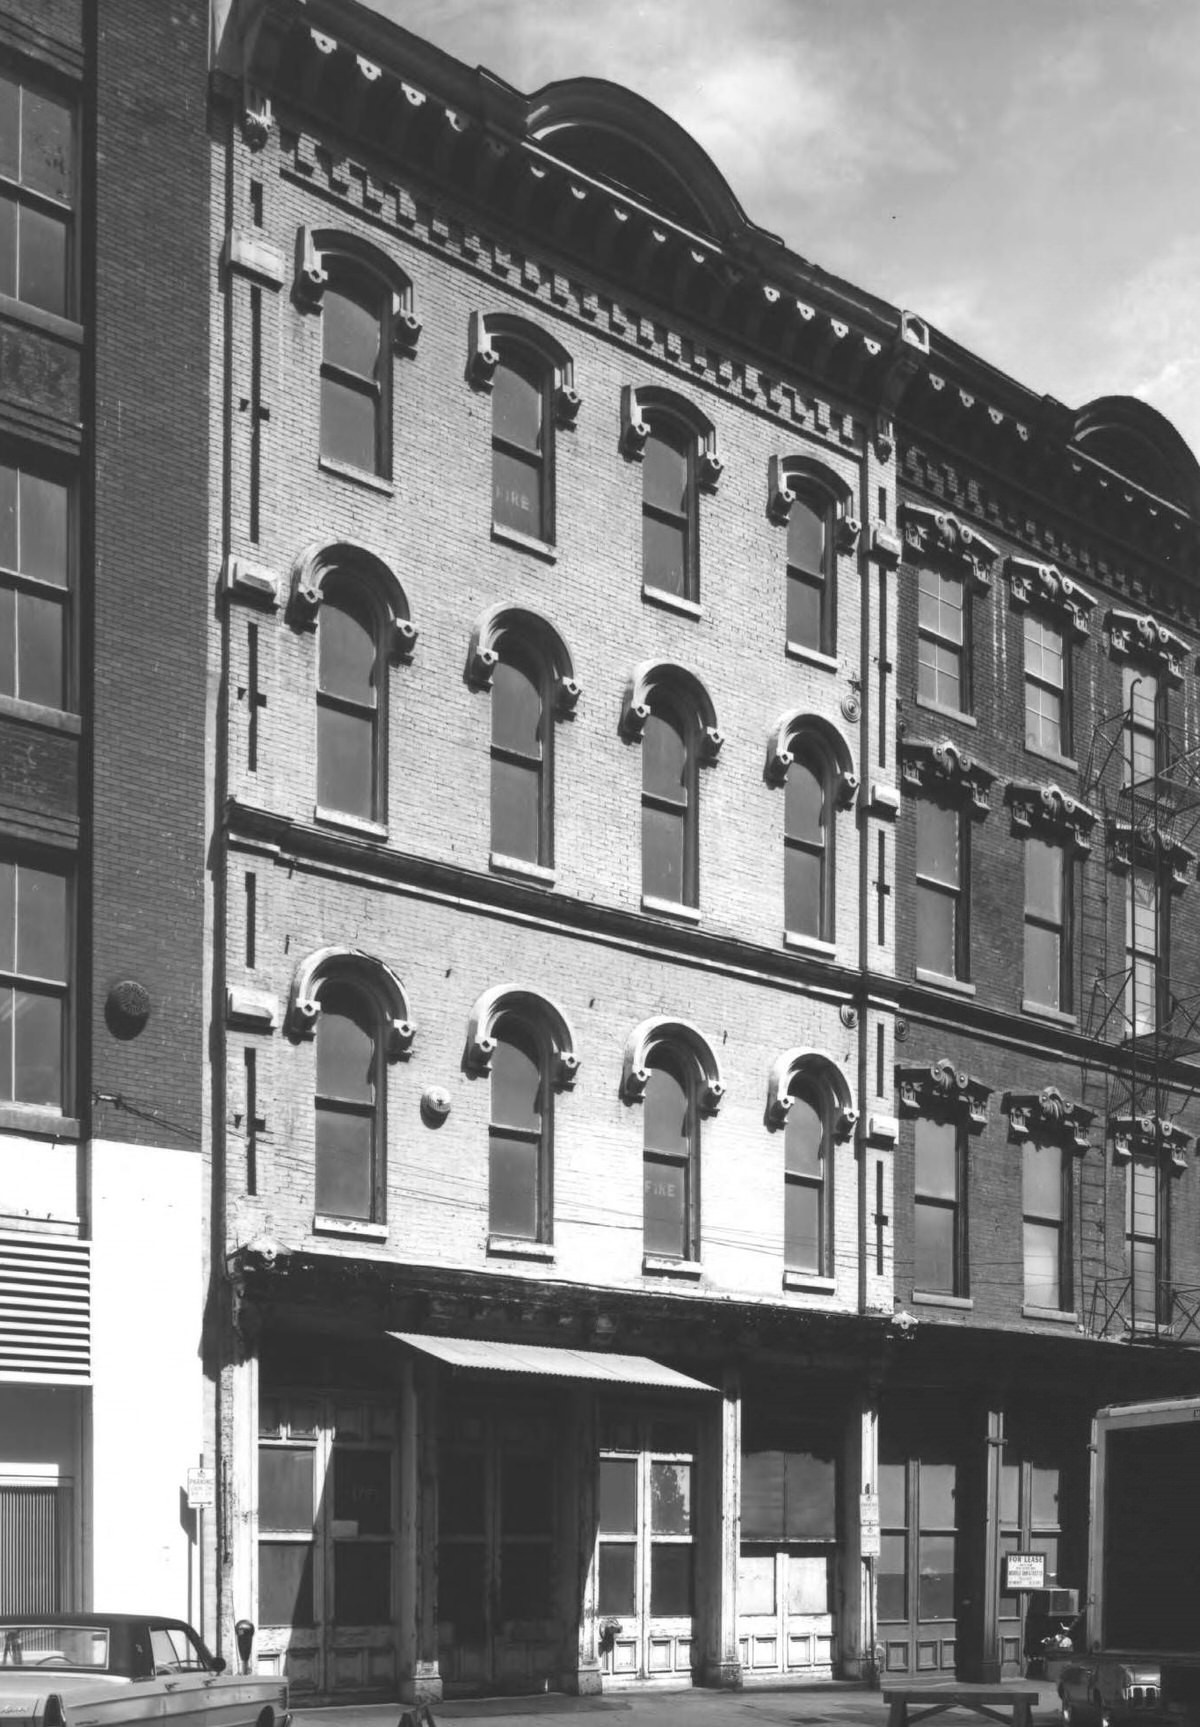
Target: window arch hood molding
(639, 403)
(819, 1069)
(663, 1032)
(350, 965)
(788, 476)
(652, 677)
(314, 566)
(317, 248)
(487, 329)
(528, 1004)
(490, 634)
(798, 727)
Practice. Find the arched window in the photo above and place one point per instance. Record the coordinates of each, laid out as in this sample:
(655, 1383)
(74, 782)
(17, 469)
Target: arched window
(808, 1142)
(671, 1152)
(522, 440)
(808, 844)
(349, 1103)
(351, 692)
(356, 368)
(669, 515)
(522, 744)
(810, 572)
(519, 1199)
(669, 786)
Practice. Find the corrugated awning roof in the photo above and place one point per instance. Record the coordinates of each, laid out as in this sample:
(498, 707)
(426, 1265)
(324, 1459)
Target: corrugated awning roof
(485, 1356)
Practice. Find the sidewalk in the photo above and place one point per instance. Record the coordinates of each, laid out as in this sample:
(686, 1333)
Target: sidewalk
(834, 1705)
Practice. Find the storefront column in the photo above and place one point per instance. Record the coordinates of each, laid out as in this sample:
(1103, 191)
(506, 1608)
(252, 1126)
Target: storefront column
(416, 1646)
(719, 1525)
(989, 1663)
(238, 1487)
(577, 1551)
(857, 1657)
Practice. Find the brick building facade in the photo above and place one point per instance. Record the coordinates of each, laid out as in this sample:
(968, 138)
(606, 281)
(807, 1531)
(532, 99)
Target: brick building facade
(662, 1225)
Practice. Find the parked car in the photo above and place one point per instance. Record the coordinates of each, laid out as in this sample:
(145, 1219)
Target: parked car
(109, 1669)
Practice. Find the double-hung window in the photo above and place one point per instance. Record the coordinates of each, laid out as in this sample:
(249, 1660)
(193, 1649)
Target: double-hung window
(808, 1138)
(522, 739)
(349, 1105)
(1046, 1222)
(1047, 687)
(942, 840)
(519, 1139)
(669, 509)
(810, 574)
(939, 1248)
(37, 196)
(356, 371)
(943, 651)
(350, 682)
(669, 790)
(1047, 925)
(1145, 940)
(35, 572)
(670, 1158)
(522, 442)
(807, 880)
(1144, 735)
(1147, 1233)
(34, 982)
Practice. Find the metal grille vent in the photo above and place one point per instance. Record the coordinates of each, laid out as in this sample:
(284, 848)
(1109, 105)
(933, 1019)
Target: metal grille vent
(45, 1309)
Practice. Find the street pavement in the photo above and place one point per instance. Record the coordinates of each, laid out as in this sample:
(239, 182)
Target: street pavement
(834, 1705)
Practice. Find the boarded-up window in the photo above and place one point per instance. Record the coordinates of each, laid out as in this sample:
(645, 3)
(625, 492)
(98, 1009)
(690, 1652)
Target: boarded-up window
(790, 1494)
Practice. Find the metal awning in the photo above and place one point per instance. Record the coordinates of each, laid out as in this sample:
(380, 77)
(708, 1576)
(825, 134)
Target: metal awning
(482, 1355)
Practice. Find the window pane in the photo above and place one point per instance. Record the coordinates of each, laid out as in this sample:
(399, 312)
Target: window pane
(1042, 1171)
(346, 650)
(1043, 719)
(42, 260)
(43, 529)
(936, 1147)
(1044, 880)
(671, 1498)
(802, 1227)
(806, 538)
(513, 1187)
(804, 811)
(47, 157)
(8, 642)
(664, 835)
(805, 600)
(349, 426)
(344, 1173)
(1043, 965)
(39, 650)
(41, 923)
(893, 1502)
(362, 1489)
(665, 470)
(517, 492)
(671, 1581)
(517, 400)
(8, 914)
(362, 1587)
(664, 554)
(461, 1579)
(37, 1075)
(285, 1488)
(809, 1583)
(803, 892)
(937, 931)
(665, 1113)
(763, 1496)
(8, 245)
(664, 758)
(1043, 1283)
(938, 1487)
(804, 1134)
(517, 810)
(934, 1267)
(940, 605)
(937, 843)
(665, 1209)
(526, 1495)
(517, 710)
(935, 1587)
(346, 762)
(345, 1047)
(1044, 1490)
(811, 1477)
(10, 124)
(939, 674)
(617, 1594)
(891, 1571)
(756, 1584)
(516, 1084)
(618, 1495)
(525, 1579)
(285, 1583)
(351, 330)
(1043, 651)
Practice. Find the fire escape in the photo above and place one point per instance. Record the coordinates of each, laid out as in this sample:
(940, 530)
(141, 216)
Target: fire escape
(1142, 1021)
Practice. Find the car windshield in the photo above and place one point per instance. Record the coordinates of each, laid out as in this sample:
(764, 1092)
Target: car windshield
(54, 1646)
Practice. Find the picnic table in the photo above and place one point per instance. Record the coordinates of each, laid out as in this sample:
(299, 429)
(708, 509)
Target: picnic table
(978, 1698)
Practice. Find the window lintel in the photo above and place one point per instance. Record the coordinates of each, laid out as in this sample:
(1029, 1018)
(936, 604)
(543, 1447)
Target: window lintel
(1047, 809)
(313, 567)
(1047, 1116)
(486, 332)
(1140, 637)
(942, 769)
(940, 536)
(1044, 587)
(1150, 1138)
(1142, 842)
(944, 1091)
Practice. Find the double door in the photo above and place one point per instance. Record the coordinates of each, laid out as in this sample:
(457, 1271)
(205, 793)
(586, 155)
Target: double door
(917, 1569)
(645, 1554)
(1030, 1518)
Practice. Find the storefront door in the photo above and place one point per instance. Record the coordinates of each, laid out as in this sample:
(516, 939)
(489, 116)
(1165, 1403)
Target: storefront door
(917, 1569)
(498, 1629)
(644, 1549)
(1030, 1522)
(326, 1547)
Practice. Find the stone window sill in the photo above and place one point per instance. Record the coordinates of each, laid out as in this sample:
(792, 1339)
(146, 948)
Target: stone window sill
(1058, 1315)
(515, 1247)
(807, 1280)
(811, 656)
(1068, 762)
(505, 865)
(1040, 1011)
(809, 944)
(37, 1119)
(671, 602)
(955, 985)
(34, 714)
(689, 1269)
(352, 824)
(358, 476)
(964, 719)
(349, 1226)
(670, 908)
(930, 1299)
(524, 542)
(66, 329)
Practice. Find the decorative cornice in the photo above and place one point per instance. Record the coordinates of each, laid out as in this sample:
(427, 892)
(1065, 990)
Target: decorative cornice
(937, 535)
(1045, 586)
(1046, 1115)
(1150, 1136)
(943, 769)
(1048, 809)
(1142, 842)
(944, 1090)
(1138, 636)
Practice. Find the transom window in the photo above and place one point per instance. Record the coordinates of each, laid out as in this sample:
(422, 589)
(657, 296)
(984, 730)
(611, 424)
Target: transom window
(355, 370)
(671, 1151)
(1046, 1193)
(669, 792)
(35, 573)
(808, 1140)
(1047, 925)
(34, 983)
(350, 679)
(349, 1098)
(939, 1248)
(942, 651)
(941, 900)
(669, 514)
(1047, 720)
(37, 196)
(522, 441)
(519, 1137)
(808, 835)
(522, 741)
(809, 574)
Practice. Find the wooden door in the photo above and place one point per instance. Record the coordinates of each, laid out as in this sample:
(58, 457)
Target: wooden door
(917, 1570)
(645, 1555)
(1030, 1522)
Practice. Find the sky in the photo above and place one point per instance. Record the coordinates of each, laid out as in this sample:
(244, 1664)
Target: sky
(1023, 174)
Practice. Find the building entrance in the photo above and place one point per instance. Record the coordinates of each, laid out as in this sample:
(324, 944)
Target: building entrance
(918, 1564)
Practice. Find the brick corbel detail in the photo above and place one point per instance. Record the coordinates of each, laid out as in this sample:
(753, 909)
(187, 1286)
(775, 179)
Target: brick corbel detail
(1046, 1115)
(944, 1090)
(943, 770)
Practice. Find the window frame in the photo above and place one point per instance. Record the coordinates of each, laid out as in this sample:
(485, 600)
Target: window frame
(928, 632)
(345, 980)
(668, 706)
(504, 343)
(347, 581)
(668, 1056)
(1063, 1224)
(807, 752)
(1063, 930)
(26, 197)
(818, 1093)
(660, 420)
(1159, 1240)
(955, 1207)
(511, 1027)
(1139, 959)
(958, 893)
(1135, 731)
(62, 991)
(814, 497)
(1033, 619)
(528, 658)
(17, 581)
(343, 268)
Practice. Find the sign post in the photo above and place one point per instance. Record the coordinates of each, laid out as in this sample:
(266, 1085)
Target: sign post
(201, 1494)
